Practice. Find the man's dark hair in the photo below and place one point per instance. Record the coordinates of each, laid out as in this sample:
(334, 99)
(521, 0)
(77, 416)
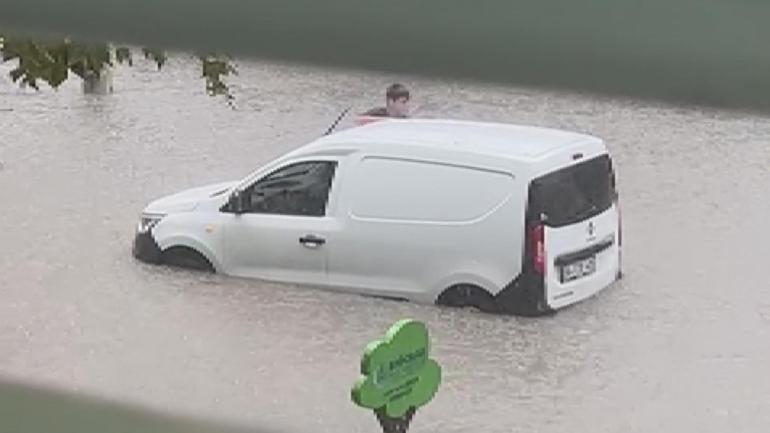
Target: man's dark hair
(396, 91)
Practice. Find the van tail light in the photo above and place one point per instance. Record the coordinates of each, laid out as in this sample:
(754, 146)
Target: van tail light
(537, 236)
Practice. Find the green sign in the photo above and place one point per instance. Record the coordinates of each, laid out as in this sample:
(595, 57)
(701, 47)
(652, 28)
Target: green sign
(397, 374)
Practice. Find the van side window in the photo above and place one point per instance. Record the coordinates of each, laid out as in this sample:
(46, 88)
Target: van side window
(300, 189)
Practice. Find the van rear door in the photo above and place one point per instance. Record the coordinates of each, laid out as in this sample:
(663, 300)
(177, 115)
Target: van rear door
(573, 214)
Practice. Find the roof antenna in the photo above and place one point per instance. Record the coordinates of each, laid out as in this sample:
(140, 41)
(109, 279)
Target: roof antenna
(334, 125)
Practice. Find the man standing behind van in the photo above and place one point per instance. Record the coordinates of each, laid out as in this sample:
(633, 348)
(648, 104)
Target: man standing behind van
(396, 103)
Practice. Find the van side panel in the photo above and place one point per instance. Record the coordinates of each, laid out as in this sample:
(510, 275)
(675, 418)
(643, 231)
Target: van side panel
(404, 233)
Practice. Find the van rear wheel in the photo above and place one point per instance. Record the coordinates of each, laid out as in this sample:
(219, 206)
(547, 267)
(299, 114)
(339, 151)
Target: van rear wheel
(468, 295)
(187, 258)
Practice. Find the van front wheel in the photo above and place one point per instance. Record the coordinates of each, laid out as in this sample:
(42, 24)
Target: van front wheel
(188, 258)
(468, 295)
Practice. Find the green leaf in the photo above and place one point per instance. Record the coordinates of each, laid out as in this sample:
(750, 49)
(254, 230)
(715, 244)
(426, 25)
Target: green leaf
(157, 56)
(86, 60)
(123, 55)
(16, 73)
(213, 69)
(58, 75)
(51, 61)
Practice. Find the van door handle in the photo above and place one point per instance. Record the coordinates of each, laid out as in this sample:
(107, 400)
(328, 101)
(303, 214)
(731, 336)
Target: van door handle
(312, 241)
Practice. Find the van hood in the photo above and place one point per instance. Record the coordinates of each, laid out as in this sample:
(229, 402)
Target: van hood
(189, 199)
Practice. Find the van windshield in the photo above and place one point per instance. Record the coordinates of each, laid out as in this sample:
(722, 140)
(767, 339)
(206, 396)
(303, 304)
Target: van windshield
(573, 194)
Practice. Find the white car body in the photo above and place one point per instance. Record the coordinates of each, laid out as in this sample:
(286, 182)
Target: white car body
(416, 209)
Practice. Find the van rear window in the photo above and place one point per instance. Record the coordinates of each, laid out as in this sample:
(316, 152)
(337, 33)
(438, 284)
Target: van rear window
(573, 194)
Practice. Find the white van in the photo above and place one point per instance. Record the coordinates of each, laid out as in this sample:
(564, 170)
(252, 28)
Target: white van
(505, 218)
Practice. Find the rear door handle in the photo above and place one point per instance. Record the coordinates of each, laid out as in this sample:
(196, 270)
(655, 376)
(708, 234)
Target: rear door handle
(585, 253)
(312, 241)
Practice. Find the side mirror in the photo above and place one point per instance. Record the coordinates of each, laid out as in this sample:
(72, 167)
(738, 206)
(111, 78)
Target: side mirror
(237, 202)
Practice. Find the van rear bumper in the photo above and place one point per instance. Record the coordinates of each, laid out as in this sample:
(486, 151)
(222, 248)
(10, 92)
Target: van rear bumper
(526, 296)
(578, 292)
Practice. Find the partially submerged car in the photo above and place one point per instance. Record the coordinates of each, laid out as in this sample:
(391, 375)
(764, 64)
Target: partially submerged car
(505, 218)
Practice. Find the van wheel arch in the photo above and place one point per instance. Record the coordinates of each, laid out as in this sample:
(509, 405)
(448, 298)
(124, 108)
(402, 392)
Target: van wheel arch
(468, 295)
(186, 257)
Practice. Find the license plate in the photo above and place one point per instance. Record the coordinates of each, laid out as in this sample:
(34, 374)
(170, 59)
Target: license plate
(578, 269)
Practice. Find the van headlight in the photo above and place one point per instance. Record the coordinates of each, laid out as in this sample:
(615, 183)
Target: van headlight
(148, 221)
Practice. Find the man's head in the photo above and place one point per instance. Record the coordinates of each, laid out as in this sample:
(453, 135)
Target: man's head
(397, 100)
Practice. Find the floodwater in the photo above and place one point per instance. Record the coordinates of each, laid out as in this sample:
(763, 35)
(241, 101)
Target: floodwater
(682, 344)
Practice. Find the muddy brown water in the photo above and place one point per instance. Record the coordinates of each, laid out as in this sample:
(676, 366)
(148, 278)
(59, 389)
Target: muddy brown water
(680, 345)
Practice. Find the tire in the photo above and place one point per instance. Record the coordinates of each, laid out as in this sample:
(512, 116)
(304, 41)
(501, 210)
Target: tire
(186, 258)
(468, 295)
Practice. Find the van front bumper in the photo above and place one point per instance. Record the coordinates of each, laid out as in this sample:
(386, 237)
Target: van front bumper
(145, 248)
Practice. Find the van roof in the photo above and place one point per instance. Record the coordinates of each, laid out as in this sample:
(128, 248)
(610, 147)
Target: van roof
(494, 139)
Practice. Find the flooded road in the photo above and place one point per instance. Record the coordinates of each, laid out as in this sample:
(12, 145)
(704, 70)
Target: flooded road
(680, 345)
